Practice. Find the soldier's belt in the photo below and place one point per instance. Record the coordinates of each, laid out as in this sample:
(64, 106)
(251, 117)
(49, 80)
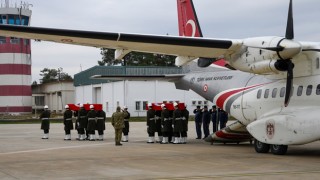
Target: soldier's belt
(100, 118)
(90, 119)
(177, 118)
(45, 119)
(126, 119)
(83, 116)
(166, 119)
(69, 119)
(151, 119)
(184, 118)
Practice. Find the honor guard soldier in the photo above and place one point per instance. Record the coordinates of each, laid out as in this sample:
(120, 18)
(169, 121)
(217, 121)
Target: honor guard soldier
(166, 124)
(125, 130)
(67, 121)
(117, 121)
(223, 115)
(45, 122)
(91, 123)
(151, 125)
(177, 124)
(157, 119)
(101, 123)
(185, 119)
(83, 122)
(198, 121)
(206, 121)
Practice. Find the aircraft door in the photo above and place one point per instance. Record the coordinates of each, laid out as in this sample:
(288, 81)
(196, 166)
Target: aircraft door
(248, 103)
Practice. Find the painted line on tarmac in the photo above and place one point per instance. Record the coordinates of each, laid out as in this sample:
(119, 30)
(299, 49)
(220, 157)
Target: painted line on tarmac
(57, 148)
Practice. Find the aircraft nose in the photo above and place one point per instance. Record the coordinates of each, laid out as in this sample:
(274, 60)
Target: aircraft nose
(209, 138)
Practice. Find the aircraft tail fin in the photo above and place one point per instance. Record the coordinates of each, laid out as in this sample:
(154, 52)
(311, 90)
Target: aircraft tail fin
(188, 20)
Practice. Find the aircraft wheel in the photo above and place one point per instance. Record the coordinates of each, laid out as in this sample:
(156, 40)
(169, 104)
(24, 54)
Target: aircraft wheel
(279, 149)
(261, 147)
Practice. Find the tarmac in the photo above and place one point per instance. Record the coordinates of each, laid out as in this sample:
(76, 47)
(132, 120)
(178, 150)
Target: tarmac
(24, 155)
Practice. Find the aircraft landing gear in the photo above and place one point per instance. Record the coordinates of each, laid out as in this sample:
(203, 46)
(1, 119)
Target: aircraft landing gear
(261, 147)
(279, 149)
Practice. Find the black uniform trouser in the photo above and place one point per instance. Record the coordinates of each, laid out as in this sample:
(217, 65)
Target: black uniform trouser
(151, 134)
(68, 131)
(46, 131)
(81, 131)
(184, 134)
(177, 134)
(100, 132)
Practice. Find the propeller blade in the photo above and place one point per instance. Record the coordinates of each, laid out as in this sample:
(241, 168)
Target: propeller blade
(289, 31)
(289, 83)
(316, 50)
(277, 49)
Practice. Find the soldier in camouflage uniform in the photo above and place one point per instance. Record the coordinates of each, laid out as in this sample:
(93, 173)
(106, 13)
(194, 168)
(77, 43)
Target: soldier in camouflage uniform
(101, 123)
(151, 124)
(83, 122)
(91, 127)
(166, 123)
(117, 121)
(125, 130)
(184, 130)
(45, 122)
(67, 121)
(177, 124)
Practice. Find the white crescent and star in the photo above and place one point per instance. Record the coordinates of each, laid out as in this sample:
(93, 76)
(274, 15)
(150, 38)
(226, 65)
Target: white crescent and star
(193, 25)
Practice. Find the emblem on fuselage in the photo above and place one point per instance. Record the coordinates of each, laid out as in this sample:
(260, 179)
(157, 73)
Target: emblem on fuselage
(205, 88)
(270, 129)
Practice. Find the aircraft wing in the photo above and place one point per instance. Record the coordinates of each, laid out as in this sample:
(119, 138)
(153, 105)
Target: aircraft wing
(165, 77)
(171, 45)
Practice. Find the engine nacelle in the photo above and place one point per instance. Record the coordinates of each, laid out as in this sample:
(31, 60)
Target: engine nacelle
(265, 55)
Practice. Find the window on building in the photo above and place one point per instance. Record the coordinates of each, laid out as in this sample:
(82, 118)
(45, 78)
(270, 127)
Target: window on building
(282, 92)
(309, 90)
(2, 40)
(39, 100)
(138, 105)
(259, 94)
(26, 41)
(274, 92)
(317, 63)
(144, 105)
(107, 106)
(4, 19)
(194, 103)
(266, 93)
(299, 90)
(14, 40)
(11, 19)
(318, 90)
(199, 102)
(205, 102)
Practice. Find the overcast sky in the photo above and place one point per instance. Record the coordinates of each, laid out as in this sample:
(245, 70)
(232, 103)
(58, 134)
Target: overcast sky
(218, 19)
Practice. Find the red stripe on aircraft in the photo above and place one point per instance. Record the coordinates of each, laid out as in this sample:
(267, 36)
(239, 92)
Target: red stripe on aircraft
(221, 100)
(224, 135)
(220, 62)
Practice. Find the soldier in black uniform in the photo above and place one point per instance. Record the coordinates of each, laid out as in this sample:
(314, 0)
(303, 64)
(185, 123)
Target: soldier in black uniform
(125, 130)
(177, 124)
(206, 121)
(83, 122)
(91, 123)
(166, 124)
(157, 119)
(151, 125)
(214, 115)
(185, 119)
(45, 122)
(67, 121)
(75, 114)
(101, 123)
(198, 121)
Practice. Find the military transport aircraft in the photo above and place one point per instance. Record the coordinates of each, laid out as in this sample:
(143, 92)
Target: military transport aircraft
(274, 91)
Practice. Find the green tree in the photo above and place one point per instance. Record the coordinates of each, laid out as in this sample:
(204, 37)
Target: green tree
(54, 75)
(136, 59)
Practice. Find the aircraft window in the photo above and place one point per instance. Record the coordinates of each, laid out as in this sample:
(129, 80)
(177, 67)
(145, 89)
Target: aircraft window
(274, 92)
(318, 90)
(4, 19)
(309, 90)
(299, 91)
(259, 94)
(266, 93)
(11, 19)
(14, 40)
(282, 91)
(317, 63)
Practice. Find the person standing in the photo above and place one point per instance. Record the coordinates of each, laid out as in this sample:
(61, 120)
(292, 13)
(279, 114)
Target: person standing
(157, 119)
(45, 122)
(151, 124)
(177, 124)
(68, 124)
(223, 119)
(91, 127)
(206, 121)
(198, 121)
(125, 130)
(185, 119)
(83, 122)
(101, 123)
(214, 114)
(166, 124)
(117, 121)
